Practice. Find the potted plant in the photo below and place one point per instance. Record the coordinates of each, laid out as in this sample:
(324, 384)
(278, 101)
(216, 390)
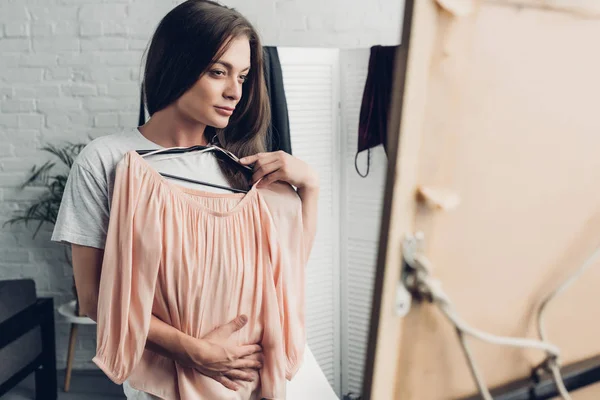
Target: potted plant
(45, 208)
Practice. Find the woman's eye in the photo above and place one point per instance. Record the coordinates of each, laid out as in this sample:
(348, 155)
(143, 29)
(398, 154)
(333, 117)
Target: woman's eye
(244, 78)
(218, 72)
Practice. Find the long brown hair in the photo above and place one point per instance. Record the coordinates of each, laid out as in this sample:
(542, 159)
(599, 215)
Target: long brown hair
(187, 41)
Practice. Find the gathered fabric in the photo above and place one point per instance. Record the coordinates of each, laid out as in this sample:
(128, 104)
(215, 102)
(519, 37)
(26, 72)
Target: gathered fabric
(196, 260)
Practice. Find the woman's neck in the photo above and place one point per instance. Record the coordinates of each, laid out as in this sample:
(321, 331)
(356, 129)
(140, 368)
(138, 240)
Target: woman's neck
(168, 129)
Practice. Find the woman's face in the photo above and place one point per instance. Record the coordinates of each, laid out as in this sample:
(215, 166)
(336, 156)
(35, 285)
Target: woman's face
(213, 97)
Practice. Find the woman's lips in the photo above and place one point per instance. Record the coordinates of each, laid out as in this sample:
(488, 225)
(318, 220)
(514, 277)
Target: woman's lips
(224, 110)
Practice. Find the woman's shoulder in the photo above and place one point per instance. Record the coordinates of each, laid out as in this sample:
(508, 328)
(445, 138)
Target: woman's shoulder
(101, 156)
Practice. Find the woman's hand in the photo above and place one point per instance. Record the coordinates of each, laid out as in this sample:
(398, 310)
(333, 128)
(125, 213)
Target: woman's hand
(217, 357)
(281, 166)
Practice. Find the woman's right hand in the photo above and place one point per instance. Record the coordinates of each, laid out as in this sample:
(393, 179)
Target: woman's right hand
(215, 355)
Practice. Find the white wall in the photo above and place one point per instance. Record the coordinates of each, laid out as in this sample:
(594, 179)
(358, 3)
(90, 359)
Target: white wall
(324, 23)
(69, 69)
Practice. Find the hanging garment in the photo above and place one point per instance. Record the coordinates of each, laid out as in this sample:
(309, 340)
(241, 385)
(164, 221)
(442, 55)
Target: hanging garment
(278, 134)
(374, 110)
(196, 260)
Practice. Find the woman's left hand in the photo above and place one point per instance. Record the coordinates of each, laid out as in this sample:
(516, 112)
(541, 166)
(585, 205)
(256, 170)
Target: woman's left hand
(281, 166)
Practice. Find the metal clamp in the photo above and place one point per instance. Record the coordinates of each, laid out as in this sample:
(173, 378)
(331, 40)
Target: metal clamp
(408, 286)
(415, 282)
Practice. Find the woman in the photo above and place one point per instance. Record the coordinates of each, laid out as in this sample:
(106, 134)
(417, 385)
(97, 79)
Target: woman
(203, 83)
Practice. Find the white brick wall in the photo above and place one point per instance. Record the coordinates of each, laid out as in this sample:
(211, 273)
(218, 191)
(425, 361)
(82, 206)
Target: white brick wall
(70, 68)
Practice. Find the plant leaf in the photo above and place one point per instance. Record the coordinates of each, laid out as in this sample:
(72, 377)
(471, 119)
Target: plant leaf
(45, 208)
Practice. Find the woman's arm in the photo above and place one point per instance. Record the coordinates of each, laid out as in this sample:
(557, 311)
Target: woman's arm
(210, 355)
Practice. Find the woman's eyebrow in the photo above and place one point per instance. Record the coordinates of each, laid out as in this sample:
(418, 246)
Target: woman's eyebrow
(229, 66)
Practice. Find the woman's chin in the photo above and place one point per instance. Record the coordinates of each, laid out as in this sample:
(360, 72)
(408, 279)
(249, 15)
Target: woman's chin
(220, 123)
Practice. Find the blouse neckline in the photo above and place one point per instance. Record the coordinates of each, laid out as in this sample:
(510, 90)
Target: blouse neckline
(182, 191)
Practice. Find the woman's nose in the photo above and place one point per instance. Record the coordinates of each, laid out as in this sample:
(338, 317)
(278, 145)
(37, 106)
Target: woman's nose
(233, 90)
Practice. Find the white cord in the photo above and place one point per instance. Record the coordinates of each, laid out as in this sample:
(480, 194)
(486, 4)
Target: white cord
(555, 365)
(560, 384)
(434, 286)
(423, 269)
(483, 390)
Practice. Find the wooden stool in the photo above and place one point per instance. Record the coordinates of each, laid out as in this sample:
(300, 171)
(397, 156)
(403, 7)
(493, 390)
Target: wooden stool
(68, 311)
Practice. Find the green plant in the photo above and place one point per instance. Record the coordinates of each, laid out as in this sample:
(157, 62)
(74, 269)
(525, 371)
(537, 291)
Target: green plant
(45, 208)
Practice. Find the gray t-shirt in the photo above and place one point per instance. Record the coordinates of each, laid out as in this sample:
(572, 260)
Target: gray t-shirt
(85, 207)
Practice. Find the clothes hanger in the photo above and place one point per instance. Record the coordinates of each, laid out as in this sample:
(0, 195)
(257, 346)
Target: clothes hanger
(225, 154)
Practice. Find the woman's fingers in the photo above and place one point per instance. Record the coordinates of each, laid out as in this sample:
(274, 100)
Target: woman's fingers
(272, 177)
(225, 381)
(267, 164)
(226, 330)
(237, 374)
(266, 157)
(250, 159)
(246, 350)
(246, 363)
(265, 169)
(256, 356)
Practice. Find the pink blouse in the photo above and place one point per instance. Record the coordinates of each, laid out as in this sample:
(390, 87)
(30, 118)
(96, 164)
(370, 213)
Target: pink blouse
(197, 260)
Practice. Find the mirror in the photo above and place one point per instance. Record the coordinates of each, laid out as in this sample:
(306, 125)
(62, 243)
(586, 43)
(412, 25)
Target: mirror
(71, 73)
(490, 221)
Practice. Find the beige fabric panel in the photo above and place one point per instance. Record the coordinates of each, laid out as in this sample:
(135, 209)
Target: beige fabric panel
(513, 126)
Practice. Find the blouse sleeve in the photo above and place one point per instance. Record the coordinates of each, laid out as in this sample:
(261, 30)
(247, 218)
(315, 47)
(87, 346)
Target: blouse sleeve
(289, 262)
(129, 273)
